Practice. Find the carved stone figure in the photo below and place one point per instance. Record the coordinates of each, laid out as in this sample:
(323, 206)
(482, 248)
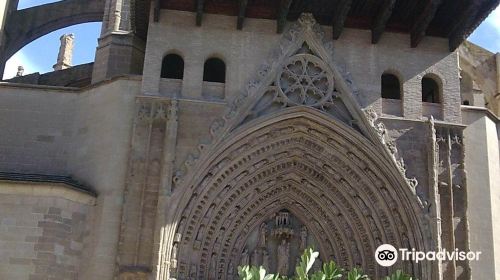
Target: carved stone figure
(244, 257)
(20, 71)
(262, 236)
(265, 260)
(303, 238)
(255, 260)
(213, 268)
(283, 257)
(174, 251)
(192, 272)
(230, 270)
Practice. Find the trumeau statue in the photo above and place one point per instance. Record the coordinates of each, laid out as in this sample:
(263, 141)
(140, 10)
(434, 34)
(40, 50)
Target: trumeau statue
(283, 257)
(277, 243)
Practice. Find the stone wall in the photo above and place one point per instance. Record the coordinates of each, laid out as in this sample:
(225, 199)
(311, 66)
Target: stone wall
(85, 134)
(44, 230)
(76, 76)
(36, 125)
(245, 50)
(482, 161)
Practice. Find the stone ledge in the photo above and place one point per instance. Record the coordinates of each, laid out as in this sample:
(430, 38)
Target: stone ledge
(46, 185)
(47, 189)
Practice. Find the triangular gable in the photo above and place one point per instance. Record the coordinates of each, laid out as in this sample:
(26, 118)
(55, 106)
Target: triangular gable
(302, 74)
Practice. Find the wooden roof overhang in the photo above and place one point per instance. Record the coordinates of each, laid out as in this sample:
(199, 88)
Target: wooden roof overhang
(452, 19)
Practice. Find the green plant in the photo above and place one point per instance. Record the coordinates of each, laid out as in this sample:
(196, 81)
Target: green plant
(356, 274)
(398, 275)
(330, 271)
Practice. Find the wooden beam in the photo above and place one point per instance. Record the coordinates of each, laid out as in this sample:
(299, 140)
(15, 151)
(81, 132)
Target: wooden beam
(463, 24)
(341, 12)
(241, 13)
(283, 14)
(381, 19)
(199, 11)
(423, 21)
(157, 10)
(460, 17)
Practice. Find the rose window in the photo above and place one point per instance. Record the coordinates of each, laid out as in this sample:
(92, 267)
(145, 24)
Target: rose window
(305, 80)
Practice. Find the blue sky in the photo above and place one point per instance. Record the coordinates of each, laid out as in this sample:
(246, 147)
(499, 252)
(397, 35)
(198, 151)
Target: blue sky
(41, 54)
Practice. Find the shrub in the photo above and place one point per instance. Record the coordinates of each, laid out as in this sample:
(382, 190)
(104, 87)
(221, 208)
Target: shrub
(330, 271)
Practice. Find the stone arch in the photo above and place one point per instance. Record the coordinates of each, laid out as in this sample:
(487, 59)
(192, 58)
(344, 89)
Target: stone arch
(303, 160)
(27, 25)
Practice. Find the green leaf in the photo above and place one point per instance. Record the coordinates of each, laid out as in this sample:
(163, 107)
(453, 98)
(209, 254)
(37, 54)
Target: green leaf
(398, 275)
(356, 274)
(307, 261)
(332, 271)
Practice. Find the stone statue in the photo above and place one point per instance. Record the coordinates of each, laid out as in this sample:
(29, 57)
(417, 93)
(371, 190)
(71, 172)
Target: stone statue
(213, 268)
(192, 272)
(283, 257)
(265, 260)
(255, 260)
(20, 71)
(244, 257)
(174, 251)
(230, 269)
(303, 238)
(262, 236)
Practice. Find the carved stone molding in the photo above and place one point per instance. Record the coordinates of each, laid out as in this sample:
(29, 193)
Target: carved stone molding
(150, 161)
(295, 139)
(329, 179)
(303, 43)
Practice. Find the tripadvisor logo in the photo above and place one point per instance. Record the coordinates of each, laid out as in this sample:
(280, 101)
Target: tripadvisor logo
(387, 255)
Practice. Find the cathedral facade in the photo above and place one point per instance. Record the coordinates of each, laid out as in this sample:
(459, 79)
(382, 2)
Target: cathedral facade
(211, 134)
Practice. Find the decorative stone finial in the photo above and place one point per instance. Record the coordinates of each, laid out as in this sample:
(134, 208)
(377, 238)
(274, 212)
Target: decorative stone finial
(65, 55)
(20, 71)
(307, 20)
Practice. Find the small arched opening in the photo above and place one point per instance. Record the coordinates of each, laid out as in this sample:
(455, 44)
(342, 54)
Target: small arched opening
(430, 90)
(391, 94)
(214, 78)
(172, 67)
(214, 70)
(431, 98)
(391, 87)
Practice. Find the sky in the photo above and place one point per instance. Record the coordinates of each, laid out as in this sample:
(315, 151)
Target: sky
(41, 54)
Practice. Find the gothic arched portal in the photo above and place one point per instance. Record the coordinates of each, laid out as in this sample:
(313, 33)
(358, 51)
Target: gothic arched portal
(326, 174)
(296, 142)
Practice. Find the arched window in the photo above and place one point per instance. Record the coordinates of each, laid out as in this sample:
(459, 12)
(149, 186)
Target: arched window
(172, 67)
(214, 71)
(430, 90)
(391, 88)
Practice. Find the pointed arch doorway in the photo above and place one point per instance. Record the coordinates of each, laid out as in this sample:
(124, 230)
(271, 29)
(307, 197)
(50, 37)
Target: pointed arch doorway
(331, 180)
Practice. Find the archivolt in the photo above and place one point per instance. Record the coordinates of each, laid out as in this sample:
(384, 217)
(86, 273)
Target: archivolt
(338, 183)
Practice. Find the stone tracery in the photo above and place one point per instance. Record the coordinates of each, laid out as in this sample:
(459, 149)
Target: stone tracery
(343, 198)
(313, 161)
(304, 80)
